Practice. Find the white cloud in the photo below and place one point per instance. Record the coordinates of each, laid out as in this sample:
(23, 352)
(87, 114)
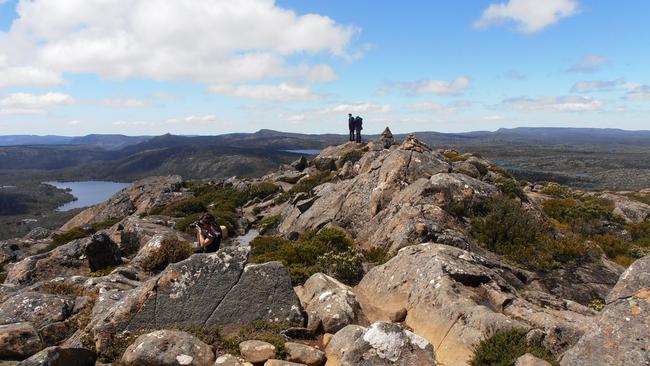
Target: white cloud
(588, 64)
(28, 76)
(436, 107)
(123, 103)
(554, 104)
(588, 86)
(25, 103)
(357, 108)
(208, 118)
(530, 15)
(494, 117)
(205, 41)
(281, 92)
(638, 94)
(456, 86)
(73, 122)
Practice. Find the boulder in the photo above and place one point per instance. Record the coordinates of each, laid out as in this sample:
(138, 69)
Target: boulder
(140, 197)
(630, 210)
(37, 308)
(168, 348)
(60, 356)
(530, 360)
(330, 305)
(19, 340)
(341, 342)
(205, 290)
(229, 360)
(38, 233)
(389, 344)
(102, 252)
(621, 334)
(255, 351)
(304, 354)
(456, 298)
(282, 363)
(300, 164)
(65, 260)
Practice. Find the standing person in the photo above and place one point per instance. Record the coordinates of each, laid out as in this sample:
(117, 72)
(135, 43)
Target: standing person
(358, 126)
(208, 234)
(351, 126)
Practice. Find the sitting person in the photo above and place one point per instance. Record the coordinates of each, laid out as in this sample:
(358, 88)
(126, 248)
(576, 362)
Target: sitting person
(208, 234)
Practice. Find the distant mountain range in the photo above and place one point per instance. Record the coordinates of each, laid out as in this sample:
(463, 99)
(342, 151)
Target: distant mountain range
(270, 138)
(125, 158)
(109, 142)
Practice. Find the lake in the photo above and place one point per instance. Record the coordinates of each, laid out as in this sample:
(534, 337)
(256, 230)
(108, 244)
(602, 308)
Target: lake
(304, 152)
(88, 193)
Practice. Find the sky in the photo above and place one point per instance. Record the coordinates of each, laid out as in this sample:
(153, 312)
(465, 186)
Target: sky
(206, 67)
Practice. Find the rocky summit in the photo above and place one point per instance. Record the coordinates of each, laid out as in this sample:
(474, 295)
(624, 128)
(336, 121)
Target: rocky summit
(381, 253)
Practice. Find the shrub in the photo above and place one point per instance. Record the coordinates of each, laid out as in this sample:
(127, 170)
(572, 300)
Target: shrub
(615, 249)
(269, 223)
(377, 255)
(346, 266)
(3, 277)
(171, 250)
(585, 216)
(181, 208)
(557, 190)
(503, 347)
(506, 227)
(499, 170)
(262, 190)
(454, 156)
(301, 257)
(511, 188)
(509, 230)
(597, 303)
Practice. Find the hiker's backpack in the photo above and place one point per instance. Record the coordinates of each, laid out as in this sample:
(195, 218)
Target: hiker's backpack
(358, 121)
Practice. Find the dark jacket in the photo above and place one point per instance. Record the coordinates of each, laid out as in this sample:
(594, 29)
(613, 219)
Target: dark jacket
(358, 123)
(351, 123)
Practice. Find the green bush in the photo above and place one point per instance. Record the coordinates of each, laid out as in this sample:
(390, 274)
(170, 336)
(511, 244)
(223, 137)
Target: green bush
(641, 197)
(585, 216)
(454, 156)
(377, 255)
(511, 188)
(302, 258)
(269, 223)
(503, 348)
(497, 169)
(346, 266)
(509, 230)
(557, 190)
(171, 250)
(181, 208)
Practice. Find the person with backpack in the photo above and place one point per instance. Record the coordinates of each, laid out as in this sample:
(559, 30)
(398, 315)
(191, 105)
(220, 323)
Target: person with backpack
(208, 234)
(351, 126)
(358, 126)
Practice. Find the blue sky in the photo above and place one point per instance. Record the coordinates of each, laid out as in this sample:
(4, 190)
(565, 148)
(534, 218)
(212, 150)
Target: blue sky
(208, 67)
